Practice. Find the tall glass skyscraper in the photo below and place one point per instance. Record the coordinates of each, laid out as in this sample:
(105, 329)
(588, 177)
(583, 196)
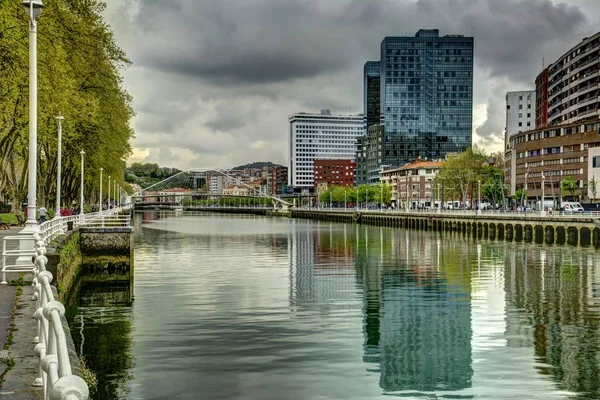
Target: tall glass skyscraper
(371, 93)
(427, 94)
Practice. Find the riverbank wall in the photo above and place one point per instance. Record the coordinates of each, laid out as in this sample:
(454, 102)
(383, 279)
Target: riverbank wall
(574, 230)
(79, 250)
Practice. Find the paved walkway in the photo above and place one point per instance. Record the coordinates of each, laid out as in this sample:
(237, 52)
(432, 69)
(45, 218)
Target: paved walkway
(7, 293)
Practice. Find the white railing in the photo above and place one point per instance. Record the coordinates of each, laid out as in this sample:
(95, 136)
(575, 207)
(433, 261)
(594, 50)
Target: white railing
(18, 250)
(54, 367)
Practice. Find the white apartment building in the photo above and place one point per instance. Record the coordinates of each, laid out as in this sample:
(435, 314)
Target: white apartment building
(520, 112)
(320, 136)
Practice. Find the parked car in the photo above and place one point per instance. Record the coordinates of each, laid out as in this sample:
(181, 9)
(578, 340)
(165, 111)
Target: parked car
(572, 207)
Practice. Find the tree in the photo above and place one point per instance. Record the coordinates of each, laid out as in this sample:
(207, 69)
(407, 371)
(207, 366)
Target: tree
(520, 196)
(569, 186)
(593, 186)
(461, 173)
(79, 76)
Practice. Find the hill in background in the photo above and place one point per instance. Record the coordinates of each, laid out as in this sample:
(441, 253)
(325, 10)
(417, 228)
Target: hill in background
(258, 165)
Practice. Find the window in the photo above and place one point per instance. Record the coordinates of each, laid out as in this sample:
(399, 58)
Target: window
(596, 162)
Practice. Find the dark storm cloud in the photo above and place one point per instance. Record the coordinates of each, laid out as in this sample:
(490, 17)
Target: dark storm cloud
(241, 67)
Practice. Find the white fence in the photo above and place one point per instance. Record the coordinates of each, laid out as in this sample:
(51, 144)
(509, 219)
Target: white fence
(54, 369)
(17, 250)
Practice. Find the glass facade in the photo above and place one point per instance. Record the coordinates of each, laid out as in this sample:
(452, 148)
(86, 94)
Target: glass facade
(427, 94)
(371, 93)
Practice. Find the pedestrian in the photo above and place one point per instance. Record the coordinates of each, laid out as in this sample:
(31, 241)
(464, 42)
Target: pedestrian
(42, 214)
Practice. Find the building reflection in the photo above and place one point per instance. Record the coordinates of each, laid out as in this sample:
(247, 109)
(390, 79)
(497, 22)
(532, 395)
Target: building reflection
(417, 317)
(555, 291)
(416, 314)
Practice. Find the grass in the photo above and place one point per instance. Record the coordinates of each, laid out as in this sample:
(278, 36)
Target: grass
(10, 219)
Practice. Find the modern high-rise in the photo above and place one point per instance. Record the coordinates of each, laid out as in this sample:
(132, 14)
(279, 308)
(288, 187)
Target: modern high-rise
(320, 136)
(371, 93)
(427, 93)
(573, 91)
(520, 112)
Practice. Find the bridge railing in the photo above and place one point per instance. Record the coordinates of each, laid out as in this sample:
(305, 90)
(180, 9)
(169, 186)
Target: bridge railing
(54, 366)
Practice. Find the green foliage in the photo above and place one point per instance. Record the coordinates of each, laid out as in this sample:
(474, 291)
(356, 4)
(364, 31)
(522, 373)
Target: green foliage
(79, 76)
(568, 186)
(520, 196)
(463, 172)
(593, 185)
(366, 193)
(148, 174)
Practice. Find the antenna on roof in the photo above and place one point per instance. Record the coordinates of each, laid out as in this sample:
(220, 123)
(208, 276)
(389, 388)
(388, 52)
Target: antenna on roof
(543, 63)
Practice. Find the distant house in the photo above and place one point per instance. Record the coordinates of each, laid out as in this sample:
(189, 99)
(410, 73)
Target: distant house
(236, 190)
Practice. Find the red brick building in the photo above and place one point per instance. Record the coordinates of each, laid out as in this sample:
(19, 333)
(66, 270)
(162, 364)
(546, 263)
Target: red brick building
(334, 172)
(541, 99)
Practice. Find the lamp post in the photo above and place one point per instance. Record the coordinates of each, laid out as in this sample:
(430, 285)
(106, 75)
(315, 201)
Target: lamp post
(443, 183)
(33, 8)
(108, 204)
(357, 208)
(345, 203)
(101, 169)
(543, 209)
(479, 197)
(380, 197)
(115, 191)
(81, 198)
(60, 119)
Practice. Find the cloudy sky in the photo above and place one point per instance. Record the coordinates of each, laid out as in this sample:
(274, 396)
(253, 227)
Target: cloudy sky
(214, 81)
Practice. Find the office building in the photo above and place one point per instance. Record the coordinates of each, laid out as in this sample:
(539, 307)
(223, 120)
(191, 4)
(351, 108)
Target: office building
(320, 136)
(520, 112)
(427, 93)
(371, 93)
(544, 157)
(573, 91)
(334, 172)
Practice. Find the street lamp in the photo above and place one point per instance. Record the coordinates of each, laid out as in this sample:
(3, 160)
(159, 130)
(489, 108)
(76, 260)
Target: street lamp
(357, 205)
(108, 205)
(33, 8)
(443, 183)
(101, 169)
(60, 119)
(543, 209)
(478, 197)
(81, 198)
(115, 191)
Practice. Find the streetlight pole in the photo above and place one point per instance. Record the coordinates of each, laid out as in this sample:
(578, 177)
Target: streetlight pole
(479, 197)
(101, 169)
(60, 119)
(33, 8)
(357, 205)
(108, 205)
(543, 209)
(443, 183)
(81, 198)
(380, 196)
(345, 203)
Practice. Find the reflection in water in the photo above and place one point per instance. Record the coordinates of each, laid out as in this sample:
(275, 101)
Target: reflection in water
(101, 329)
(242, 307)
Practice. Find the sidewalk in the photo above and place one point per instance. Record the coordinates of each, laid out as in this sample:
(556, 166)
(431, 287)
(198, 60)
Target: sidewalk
(7, 293)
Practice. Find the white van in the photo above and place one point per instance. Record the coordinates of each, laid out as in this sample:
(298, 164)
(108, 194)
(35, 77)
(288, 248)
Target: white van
(571, 207)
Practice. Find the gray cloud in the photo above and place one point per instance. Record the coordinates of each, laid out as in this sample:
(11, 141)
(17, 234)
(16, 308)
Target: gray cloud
(217, 80)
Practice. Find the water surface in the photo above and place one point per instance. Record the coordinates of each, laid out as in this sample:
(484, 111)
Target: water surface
(239, 307)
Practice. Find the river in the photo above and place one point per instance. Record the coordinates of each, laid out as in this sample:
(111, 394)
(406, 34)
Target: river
(245, 307)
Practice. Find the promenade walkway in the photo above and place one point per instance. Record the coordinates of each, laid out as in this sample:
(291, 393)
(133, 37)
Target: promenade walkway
(7, 294)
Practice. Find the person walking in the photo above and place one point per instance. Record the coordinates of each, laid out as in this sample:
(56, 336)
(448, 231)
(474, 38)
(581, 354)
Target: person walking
(42, 214)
